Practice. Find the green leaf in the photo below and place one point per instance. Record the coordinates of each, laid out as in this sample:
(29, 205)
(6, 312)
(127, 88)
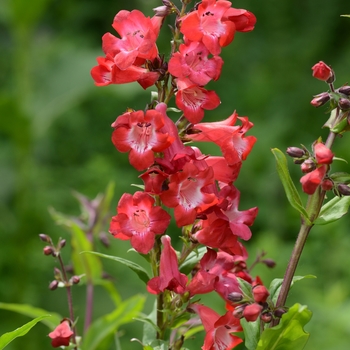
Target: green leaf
(192, 259)
(289, 334)
(276, 284)
(251, 333)
(340, 177)
(139, 270)
(289, 188)
(7, 338)
(246, 288)
(32, 312)
(108, 324)
(333, 210)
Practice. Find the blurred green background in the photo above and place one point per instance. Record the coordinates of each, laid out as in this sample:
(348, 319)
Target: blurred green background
(55, 137)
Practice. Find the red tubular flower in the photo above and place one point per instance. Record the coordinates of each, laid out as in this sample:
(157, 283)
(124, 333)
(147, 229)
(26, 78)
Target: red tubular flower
(218, 328)
(187, 193)
(192, 62)
(169, 277)
(139, 220)
(193, 100)
(138, 132)
(61, 334)
(312, 180)
(323, 154)
(235, 146)
(244, 20)
(208, 25)
(321, 71)
(153, 179)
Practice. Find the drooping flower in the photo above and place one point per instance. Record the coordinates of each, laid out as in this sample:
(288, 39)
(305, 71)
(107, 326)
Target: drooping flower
(252, 312)
(193, 100)
(321, 71)
(139, 133)
(323, 154)
(192, 62)
(218, 328)
(169, 277)
(244, 20)
(61, 334)
(139, 220)
(188, 194)
(313, 179)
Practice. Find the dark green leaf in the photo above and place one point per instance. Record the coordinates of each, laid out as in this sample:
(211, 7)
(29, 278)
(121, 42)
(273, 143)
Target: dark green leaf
(333, 210)
(140, 271)
(340, 177)
(32, 312)
(7, 338)
(289, 334)
(289, 188)
(251, 333)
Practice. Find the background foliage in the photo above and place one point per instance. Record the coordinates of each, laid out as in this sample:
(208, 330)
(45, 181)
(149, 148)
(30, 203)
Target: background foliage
(55, 137)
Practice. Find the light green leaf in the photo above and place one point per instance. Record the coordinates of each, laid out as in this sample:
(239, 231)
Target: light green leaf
(7, 338)
(333, 210)
(108, 324)
(276, 284)
(139, 270)
(246, 288)
(192, 259)
(32, 312)
(289, 334)
(251, 333)
(289, 188)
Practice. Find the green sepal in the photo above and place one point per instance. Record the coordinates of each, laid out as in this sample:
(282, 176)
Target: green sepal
(341, 127)
(7, 338)
(333, 210)
(289, 187)
(340, 177)
(139, 270)
(290, 333)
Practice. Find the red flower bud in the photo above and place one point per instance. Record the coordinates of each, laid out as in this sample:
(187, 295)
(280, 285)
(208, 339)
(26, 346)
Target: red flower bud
(320, 100)
(53, 285)
(260, 293)
(48, 250)
(266, 317)
(252, 312)
(308, 166)
(61, 335)
(322, 72)
(75, 279)
(327, 185)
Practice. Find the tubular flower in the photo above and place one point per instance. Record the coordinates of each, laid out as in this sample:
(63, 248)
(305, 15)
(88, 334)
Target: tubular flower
(312, 180)
(61, 334)
(138, 132)
(323, 154)
(192, 62)
(218, 328)
(169, 277)
(187, 193)
(193, 100)
(139, 220)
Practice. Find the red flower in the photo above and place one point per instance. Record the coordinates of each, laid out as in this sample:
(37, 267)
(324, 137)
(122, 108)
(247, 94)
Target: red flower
(312, 180)
(192, 62)
(138, 132)
(235, 146)
(188, 194)
(193, 100)
(154, 179)
(169, 277)
(252, 312)
(323, 154)
(321, 71)
(218, 328)
(139, 220)
(208, 25)
(61, 334)
(244, 20)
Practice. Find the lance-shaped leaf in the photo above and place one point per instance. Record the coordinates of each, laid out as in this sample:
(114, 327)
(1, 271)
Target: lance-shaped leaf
(139, 270)
(7, 338)
(289, 187)
(290, 333)
(333, 210)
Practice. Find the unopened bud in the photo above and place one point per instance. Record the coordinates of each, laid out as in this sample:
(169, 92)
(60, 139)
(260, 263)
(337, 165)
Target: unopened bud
(62, 243)
(235, 297)
(308, 166)
(48, 250)
(345, 90)
(344, 104)
(279, 312)
(260, 293)
(344, 189)
(266, 317)
(327, 185)
(161, 11)
(320, 99)
(269, 263)
(238, 311)
(53, 285)
(295, 152)
(44, 238)
(252, 312)
(75, 279)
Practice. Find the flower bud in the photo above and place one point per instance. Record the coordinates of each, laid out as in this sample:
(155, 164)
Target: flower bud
(345, 90)
(48, 250)
(295, 152)
(308, 166)
(344, 189)
(260, 293)
(279, 312)
(251, 312)
(320, 100)
(44, 238)
(62, 243)
(235, 297)
(161, 11)
(269, 263)
(327, 185)
(323, 72)
(344, 104)
(266, 317)
(53, 285)
(75, 279)
(238, 311)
